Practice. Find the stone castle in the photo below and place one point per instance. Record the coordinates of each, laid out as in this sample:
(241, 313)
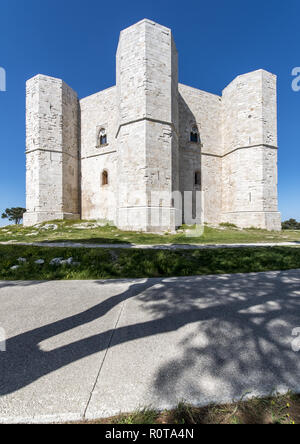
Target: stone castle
(125, 155)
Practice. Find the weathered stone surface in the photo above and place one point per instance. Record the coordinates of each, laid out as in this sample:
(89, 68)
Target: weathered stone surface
(249, 165)
(147, 85)
(52, 158)
(99, 111)
(124, 154)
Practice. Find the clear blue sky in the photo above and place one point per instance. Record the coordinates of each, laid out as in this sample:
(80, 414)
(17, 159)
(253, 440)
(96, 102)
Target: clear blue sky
(77, 39)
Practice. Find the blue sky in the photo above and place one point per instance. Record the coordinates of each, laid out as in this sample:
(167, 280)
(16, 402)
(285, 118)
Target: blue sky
(76, 40)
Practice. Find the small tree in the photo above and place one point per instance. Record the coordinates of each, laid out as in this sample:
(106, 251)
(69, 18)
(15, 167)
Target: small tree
(291, 224)
(14, 214)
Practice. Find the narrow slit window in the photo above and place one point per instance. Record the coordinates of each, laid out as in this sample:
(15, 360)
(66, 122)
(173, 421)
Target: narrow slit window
(197, 178)
(104, 178)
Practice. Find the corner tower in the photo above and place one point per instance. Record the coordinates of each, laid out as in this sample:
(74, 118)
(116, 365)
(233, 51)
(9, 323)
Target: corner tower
(52, 134)
(249, 162)
(147, 137)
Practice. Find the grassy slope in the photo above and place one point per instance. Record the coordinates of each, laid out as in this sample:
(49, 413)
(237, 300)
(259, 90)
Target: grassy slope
(67, 232)
(129, 263)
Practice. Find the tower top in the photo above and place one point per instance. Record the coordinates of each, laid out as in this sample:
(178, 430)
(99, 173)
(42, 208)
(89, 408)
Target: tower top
(150, 22)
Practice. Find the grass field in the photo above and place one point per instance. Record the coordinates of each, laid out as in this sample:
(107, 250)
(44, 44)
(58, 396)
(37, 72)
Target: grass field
(91, 233)
(273, 410)
(101, 263)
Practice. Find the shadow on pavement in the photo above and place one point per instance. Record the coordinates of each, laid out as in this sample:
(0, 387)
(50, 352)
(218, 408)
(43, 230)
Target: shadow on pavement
(242, 333)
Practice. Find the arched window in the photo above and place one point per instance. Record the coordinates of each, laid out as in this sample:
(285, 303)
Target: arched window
(197, 178)
(104, 178)
(102, 137)
(195, 138)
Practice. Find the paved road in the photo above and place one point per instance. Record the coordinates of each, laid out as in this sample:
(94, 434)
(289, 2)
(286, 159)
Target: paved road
(94, 348)
(152, 247)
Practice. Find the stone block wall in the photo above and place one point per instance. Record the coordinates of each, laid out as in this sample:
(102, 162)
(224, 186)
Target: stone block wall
(99, 111)
(203, 110)
(249, 165)
(52, 135)
(147, 85)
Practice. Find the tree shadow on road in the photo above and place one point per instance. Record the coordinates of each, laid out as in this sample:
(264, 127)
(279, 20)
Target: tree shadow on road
(236, 335)
(241, 340)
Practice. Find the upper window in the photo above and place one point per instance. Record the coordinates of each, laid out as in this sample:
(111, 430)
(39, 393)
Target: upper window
(102, 137)
(195, 138)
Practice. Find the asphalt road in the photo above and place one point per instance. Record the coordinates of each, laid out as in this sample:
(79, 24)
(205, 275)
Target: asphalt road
(87, 349)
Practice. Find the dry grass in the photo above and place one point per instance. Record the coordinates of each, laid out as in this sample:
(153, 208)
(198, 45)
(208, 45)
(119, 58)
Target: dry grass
(281, 409)
(67, 231)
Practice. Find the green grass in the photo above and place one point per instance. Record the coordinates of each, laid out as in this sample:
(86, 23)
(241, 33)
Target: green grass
(129, 263)
(225, 233)
(278, 409)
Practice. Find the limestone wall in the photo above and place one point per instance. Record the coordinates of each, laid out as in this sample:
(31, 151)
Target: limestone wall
(147, 85)
(203, 110)
(99, 111)
(51, 151)
(250, 151)
(70, 152)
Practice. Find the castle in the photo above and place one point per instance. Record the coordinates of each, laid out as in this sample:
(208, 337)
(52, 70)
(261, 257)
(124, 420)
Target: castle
(125, 155)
